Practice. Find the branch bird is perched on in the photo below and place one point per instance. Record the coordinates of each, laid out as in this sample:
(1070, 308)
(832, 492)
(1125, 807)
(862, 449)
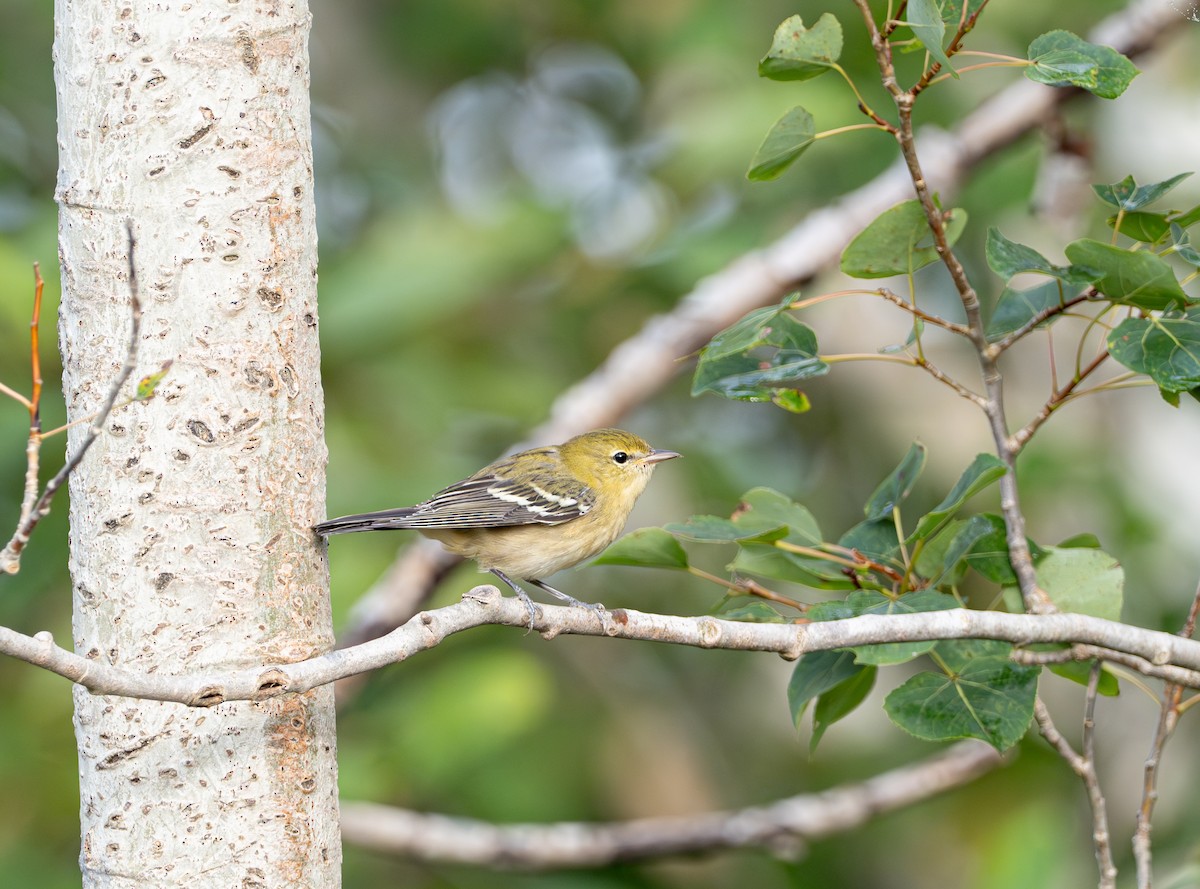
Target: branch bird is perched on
(533, 513)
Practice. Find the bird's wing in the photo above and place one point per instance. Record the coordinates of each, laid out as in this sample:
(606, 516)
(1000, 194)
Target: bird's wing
(493, 501)
(492, 498)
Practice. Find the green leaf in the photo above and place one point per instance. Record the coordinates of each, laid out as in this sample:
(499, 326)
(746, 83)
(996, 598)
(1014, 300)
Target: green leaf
(765, 508)
(983, 696)
(1084, 540)
(765, 350)
(1061, 58)
(816, 673)
(1079, 671)
(799, 53)
(1128, 195)
(1015, 308)
(714, 529)
(751, 330)
(1166, 349)
(147, 384)
(767, 560)
(874, 538)
(788, 139)
(1007, 258)
(899, 483)
(989, 555)
(1134, 279)
(963, 537)
(952, 11)
(791, 400)
(897, 242)
(984, 470)
(925, 20)
(1183, 245)
(1083, 581)
(862, 602)
(753, 611)
(1187, 218)
(1147, 227)
(645, 548)
(840, 701)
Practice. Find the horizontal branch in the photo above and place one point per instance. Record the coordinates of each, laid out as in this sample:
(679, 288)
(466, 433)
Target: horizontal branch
(484, 605)
(783, 826)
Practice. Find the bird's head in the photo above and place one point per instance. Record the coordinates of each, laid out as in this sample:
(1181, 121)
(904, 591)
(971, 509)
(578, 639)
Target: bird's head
(612, 460)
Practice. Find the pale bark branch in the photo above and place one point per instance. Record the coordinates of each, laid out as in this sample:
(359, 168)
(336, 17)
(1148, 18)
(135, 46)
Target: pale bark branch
(782, 827)
(643, 364)
(484, 605)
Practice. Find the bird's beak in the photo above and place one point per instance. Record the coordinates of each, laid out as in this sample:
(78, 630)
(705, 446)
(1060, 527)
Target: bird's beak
(657, 456)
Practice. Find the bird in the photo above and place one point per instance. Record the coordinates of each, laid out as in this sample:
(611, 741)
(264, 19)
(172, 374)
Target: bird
(533, 513)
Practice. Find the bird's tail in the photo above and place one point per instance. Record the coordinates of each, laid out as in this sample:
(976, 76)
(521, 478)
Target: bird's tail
(384, 520)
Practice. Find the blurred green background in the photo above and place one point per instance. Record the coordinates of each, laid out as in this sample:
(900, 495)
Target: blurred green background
(506, 190)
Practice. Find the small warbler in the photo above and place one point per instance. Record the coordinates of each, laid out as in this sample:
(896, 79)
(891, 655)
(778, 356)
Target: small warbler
(533, 513)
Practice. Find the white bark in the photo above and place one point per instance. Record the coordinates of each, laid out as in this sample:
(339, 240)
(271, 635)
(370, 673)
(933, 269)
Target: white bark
(190, 540)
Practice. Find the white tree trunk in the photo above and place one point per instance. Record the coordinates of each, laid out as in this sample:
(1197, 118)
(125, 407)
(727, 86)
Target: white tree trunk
(190, 540)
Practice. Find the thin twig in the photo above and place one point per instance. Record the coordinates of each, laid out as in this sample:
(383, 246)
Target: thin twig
(1007, 341)
(1084, 765)
(10, 556)
(33, 443)
(1100, 835)
(783, 827)
(974, 397)
(1168, 717)
(1056, 400)
(936, 320)
(965, 24)
(1035, 599)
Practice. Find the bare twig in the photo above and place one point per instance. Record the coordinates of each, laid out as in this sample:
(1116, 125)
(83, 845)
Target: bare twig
(1084, 765)
(10, 556)
(963, 392)
(484, 605)
(783, 827)
(1009, 340)
(1056, 400)
(34, 441)
(1054, 737)
(936, 320)
(1100, 835)
(1168, 717)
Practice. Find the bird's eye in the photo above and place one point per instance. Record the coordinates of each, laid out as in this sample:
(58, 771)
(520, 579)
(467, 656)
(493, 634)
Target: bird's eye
(620, 457)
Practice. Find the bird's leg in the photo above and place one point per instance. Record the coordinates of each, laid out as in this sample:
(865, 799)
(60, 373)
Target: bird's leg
(570, 600)
(520, 592)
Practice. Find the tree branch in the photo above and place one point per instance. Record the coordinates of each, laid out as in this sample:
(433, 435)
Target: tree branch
(782, 827)
(484, 605)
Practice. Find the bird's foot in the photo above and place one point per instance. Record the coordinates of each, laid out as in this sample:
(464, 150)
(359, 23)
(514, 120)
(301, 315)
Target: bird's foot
(524, 597)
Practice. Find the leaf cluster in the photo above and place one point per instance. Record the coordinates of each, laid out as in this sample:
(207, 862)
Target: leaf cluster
(1131, 287)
